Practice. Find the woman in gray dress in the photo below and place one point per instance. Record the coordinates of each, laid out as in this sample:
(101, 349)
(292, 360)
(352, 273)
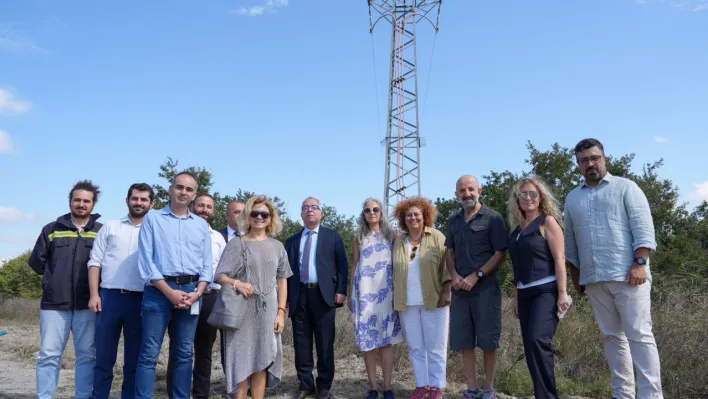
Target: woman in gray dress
(254, 353)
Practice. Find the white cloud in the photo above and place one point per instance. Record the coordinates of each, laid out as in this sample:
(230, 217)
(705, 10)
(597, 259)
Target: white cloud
(699, 193)
(660, 139)
(6, 145)
(685, 5)
(9, 104)
(267, 6)
(15, 215)
(12, 40)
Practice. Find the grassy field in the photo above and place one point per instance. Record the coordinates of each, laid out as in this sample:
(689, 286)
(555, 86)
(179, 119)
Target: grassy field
(680, 319)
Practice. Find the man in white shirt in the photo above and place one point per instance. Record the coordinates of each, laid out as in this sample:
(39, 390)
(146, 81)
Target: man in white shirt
(233, 213)
(205, 336)
(114, 262)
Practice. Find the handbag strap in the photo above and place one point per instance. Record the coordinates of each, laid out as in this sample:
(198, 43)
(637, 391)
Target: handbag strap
(244, 258)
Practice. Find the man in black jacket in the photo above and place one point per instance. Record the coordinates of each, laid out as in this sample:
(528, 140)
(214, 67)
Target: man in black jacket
(317, 287)
(61, 256)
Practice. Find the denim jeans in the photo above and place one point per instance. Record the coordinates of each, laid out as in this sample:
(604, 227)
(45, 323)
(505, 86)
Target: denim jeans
(54, 328)
(118, 312)
(157, 313)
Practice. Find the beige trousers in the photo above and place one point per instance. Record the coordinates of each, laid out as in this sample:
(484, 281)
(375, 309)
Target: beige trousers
(623, 314)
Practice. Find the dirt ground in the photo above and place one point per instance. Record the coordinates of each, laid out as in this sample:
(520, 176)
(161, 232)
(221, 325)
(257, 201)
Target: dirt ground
(18, 351)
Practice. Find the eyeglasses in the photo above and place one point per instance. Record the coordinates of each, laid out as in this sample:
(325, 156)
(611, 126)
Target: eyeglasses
(413, 252)
(263, 215)
(594, 159)
(524, 195)
(374, 210)
(306, 208)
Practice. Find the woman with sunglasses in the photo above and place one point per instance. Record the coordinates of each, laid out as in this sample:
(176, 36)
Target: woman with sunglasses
(536, 248)
(376, 324)
(254, 354)
(421, 286)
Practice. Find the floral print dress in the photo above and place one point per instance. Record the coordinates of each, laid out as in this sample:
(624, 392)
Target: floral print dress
(376, 324)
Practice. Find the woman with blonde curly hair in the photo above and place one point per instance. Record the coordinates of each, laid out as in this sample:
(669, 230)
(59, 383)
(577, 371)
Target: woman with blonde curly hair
(256, 265)
(536, 247)
(421, 289)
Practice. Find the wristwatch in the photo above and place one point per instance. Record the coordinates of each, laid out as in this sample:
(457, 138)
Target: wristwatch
(640, 261)
(480, 273)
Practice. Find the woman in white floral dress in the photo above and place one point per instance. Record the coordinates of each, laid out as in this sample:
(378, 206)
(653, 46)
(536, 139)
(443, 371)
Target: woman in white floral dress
(376, 324)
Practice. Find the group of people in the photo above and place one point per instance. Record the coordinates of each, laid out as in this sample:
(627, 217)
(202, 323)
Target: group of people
(158, 271)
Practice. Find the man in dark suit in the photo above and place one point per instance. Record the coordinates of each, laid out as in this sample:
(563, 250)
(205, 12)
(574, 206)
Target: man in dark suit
(317, 287)
(233, 212)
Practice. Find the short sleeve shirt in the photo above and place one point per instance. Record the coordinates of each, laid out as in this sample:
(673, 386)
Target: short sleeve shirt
(475, 242)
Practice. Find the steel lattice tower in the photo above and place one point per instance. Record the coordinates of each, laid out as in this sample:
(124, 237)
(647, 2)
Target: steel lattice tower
(402, 175)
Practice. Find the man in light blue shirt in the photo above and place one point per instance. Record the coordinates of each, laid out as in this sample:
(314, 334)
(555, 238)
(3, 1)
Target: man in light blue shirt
(311, 267)
(175, 260)
(609, 236)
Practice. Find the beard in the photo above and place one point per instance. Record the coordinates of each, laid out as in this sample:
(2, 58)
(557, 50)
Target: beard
(138, 212)
(469, 204)
(593, 175)
(204, 216)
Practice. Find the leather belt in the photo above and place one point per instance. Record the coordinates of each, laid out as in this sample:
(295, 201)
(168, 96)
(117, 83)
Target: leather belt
(124, 292)
(310, 285)
(182, 279)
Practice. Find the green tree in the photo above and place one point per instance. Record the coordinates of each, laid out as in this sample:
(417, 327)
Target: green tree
(17, 279)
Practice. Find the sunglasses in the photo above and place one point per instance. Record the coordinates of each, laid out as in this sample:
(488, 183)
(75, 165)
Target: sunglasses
(413, 252)
(306, 208)
(526, 195)
(263, 215)
(374, 210)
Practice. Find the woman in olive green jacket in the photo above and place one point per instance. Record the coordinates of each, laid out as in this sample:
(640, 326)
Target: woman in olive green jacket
(421, 287)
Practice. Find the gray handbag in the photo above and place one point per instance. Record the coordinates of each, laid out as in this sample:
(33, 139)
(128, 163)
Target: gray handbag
(230, 307)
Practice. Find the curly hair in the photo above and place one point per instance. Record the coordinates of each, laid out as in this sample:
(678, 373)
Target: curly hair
(548, 204)
(274, 227)
(425, 205)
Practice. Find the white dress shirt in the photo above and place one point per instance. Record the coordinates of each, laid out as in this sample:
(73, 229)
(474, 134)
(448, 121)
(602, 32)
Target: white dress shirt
(115, 252)
(217, 248)
(231, 233)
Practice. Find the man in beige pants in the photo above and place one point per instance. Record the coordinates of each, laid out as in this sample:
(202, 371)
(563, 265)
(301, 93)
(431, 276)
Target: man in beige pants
(609, 237)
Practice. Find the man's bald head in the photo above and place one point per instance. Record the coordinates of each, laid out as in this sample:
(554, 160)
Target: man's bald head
(466, 180)
(233, 212)
(467, 192)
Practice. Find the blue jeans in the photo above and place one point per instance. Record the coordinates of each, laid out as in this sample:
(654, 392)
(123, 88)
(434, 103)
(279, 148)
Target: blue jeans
(157, 313)
(54, 327)
(118, 312)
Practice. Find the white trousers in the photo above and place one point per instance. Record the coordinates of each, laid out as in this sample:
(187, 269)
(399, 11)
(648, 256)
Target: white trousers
(623, 314)
(426, 333)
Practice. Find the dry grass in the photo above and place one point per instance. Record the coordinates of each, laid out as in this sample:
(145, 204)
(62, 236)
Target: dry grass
(680, 319)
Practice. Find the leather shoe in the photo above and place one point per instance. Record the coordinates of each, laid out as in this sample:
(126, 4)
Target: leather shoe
(304, 394)
(323, 394)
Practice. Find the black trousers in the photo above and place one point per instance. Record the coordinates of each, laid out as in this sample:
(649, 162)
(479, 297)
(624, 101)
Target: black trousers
(538, 319)
(313, 317)
(204, 340)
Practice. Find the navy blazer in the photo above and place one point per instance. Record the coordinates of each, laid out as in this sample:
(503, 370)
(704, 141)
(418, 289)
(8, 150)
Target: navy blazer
(331, 263)
(225, 233)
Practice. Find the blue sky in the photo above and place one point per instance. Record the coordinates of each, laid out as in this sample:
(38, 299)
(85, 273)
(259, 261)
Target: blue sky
(280, 99)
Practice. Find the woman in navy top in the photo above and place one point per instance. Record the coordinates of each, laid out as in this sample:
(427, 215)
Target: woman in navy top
(536, 247)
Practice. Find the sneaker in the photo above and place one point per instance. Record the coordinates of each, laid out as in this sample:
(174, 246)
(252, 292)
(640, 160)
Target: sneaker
(373, 394)
(388, 394)
(488, 393)
(420, 393)
(435, 393)
(468, 394)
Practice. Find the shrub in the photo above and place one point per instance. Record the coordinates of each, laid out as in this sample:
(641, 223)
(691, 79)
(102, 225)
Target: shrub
(17, 279)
